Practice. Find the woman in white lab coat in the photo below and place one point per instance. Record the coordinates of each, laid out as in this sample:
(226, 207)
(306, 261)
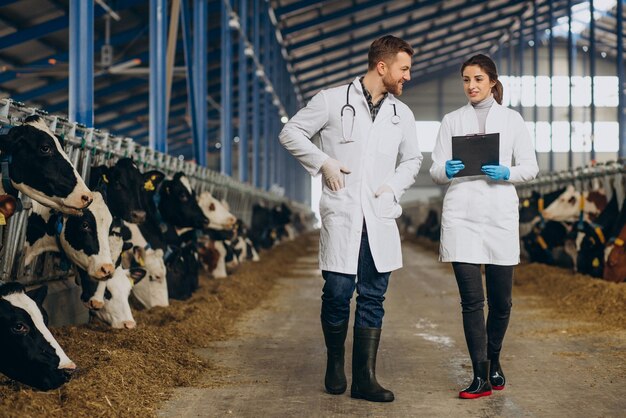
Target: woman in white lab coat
(479, 221)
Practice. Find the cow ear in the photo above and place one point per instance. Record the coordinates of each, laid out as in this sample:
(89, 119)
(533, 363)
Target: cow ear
(10, 140)
(152, 179)
(126, 258)
(137, 273)
(102, 173)
(140, 255)
(38, 294)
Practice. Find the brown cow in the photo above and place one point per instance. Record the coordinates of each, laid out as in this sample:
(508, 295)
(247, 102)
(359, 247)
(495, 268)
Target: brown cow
(615, 266)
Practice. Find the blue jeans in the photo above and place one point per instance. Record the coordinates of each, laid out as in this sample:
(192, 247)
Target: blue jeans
(371, 287)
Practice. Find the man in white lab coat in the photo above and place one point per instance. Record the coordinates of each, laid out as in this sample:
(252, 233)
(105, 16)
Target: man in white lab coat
(369, 157)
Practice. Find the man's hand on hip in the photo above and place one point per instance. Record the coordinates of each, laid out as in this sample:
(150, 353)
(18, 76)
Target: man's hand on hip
(333, 171)
(383, 189)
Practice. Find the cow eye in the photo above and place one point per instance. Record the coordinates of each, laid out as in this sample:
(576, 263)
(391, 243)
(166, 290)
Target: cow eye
(212, 207)
(20, 328)
(85, 226)
(45, 149)
(183, 197)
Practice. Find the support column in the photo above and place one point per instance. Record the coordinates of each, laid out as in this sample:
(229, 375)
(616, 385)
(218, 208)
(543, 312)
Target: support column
(200, 76)
(243, 92)
(81, 62)
(551, 74)
(592, 74)
(570, 73)
(158, 93)
(620, 82)
(256, 92)
(227, 89)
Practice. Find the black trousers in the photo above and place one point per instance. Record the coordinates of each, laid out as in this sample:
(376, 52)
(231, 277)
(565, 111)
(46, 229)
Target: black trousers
(484, 341)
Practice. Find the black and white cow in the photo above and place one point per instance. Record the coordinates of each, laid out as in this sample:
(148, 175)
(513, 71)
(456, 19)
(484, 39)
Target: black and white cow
(122, 186)
(84, 239)
(39, 167)
(152, 291)
(172, 216)
(28, 351)
(114, 293)
(94, 242)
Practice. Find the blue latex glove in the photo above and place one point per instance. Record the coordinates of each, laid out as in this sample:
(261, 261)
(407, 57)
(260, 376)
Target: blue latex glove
(496, 172)
(453, 167)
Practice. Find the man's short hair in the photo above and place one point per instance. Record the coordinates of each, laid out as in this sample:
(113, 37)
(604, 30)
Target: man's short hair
(385, 49)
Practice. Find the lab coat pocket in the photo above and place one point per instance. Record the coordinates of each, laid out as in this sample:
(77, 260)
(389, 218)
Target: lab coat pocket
(386, 206)
(389, 141)
(334, 206)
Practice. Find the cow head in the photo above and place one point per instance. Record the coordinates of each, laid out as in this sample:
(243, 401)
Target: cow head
(566, 208)
(152, 291)
(178, 204)
(28, 352)
(116, 310)
(84, 239)
(219, 217)
(40, 169)
(124, 185)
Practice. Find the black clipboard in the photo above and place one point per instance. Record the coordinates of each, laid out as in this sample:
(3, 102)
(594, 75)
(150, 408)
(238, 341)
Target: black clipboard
(476, 151)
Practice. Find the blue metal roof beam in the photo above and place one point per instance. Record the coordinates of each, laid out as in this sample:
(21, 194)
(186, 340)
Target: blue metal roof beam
(363, 53)
(397, 29)
(340, 14)
(299, 6)
(355, 73)
(53, 25)
(118, 39)
(375, 21)
(413, 39)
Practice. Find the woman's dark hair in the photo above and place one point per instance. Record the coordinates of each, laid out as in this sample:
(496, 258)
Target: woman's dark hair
(487, 65)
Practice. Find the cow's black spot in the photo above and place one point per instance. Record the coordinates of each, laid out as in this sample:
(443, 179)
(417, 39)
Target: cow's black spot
(81, 233)
(36, 228)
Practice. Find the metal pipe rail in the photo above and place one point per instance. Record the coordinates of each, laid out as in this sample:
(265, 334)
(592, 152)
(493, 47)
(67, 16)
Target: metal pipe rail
(583, 178)
(87, 147)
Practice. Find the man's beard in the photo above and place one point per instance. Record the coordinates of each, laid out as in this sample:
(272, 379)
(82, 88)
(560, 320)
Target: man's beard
(392, 86)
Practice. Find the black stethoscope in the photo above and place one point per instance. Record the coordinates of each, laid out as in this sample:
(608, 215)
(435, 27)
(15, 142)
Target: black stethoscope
(348, 108)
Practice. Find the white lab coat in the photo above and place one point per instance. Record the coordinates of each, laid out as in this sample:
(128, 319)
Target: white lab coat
(480, 219)
(382, 153)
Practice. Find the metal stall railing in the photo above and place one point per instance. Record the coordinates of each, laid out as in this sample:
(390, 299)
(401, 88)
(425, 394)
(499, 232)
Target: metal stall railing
(610, 176)
(87, 147)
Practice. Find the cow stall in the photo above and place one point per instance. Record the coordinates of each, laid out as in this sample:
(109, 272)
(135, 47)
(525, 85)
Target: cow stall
(86, 148)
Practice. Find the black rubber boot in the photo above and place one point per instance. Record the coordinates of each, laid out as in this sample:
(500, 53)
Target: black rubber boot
(364, 383)
(335, 337)
(480, 385)
(496, 377)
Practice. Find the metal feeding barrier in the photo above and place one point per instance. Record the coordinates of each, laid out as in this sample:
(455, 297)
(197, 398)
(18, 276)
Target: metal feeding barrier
(88, 147)
(610, 176)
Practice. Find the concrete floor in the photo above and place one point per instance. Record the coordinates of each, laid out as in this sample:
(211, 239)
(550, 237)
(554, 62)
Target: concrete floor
(275, 368)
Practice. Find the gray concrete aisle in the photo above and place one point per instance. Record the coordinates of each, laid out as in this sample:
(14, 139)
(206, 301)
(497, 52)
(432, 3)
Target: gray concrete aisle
(275, 367)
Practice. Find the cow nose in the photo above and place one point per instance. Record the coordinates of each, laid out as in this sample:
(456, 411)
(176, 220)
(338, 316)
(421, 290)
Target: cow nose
(138, 216)
(68, 366)
(129, 324)
(86, 199)
(105, 272)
